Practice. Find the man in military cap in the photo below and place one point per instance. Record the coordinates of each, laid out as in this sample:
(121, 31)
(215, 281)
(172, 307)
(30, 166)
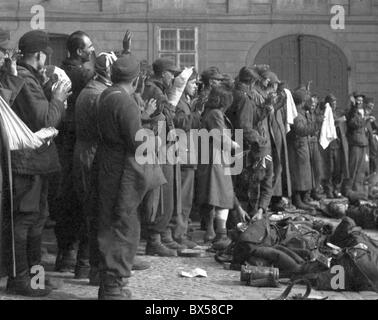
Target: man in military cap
(337, 154)
(314, 111)
(299, 150)
(121, 182)
(373, 130)
(209, 78)
(358, 125)
(30, 183)
(160, 241)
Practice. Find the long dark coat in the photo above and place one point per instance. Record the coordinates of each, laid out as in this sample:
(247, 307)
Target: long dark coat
(299, 153)
(358, 138)
(215, 188)
(281, 179)
(170, 193)
(317, 169)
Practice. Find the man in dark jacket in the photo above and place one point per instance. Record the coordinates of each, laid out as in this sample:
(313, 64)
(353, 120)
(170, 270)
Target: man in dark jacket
(299, 151)
(160, 241)
(281, 178)
(122, 183)
(336, 155)
(315, 156)
(67, 209)
(358, 122)
(249, 113)
(30, 169)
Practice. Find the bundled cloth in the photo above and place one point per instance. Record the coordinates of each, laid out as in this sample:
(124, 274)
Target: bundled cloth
(57, 75)
(179, 85)
(291, 110)
(328, 131)
(20, 137)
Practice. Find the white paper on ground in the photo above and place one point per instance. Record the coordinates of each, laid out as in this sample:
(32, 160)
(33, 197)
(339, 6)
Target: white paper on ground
(194, 273)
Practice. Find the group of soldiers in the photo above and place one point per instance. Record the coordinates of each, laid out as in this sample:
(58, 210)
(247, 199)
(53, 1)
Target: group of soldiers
(103, 200)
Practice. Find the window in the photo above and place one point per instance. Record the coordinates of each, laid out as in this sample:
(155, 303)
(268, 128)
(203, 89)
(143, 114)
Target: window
(179, 45)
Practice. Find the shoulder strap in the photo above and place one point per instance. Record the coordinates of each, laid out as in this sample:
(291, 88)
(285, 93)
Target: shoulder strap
(97, 107)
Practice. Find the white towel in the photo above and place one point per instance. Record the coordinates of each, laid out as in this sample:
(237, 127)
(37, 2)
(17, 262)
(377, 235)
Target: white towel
(328, 131)
(291, 110)
(179, 85)
(61, 76)
(18, 133)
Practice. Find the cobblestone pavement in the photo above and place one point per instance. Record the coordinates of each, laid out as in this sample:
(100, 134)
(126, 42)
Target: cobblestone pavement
(162, 282)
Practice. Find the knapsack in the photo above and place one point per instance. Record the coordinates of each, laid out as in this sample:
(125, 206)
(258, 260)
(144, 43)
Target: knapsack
(258, 233)
(301, 238)
(359, 256)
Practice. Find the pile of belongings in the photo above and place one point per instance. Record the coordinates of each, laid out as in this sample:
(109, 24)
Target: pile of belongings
(364, 214)
(302, 248)
(336, 209)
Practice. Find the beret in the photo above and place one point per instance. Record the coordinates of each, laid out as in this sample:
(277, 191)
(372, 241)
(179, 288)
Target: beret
(35, 41)
(126, 68)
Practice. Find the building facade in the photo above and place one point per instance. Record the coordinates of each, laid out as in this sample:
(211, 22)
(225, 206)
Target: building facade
(295, 37)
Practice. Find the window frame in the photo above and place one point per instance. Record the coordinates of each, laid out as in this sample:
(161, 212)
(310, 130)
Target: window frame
(178, 51)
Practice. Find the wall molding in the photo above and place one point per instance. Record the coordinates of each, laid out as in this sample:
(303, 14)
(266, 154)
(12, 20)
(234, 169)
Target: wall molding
(219, 19)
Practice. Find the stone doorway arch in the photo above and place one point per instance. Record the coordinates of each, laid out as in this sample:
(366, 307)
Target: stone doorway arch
(299, 58)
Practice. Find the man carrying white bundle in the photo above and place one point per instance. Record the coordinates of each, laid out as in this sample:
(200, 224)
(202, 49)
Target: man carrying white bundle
(31, 167)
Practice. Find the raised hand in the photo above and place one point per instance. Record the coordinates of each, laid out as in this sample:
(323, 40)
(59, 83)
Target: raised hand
(127, 41)
(151, 107)
(62, 91)
(11, 57)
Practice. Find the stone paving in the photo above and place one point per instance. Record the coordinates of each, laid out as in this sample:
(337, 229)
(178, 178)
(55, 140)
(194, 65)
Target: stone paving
(162, 281)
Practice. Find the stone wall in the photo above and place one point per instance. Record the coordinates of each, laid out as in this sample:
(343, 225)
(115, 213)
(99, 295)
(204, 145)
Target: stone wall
(231, 33)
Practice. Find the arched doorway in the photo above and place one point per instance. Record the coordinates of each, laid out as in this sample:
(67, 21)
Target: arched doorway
(298, 59)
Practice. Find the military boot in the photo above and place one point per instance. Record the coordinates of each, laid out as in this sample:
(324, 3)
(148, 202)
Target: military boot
(65, 261)
(23, 286)
(82, 272)
(329, 193)
(306, 198)
(167, 240)
(139, 265)
(113, 288)
(316, 195)
(221, 241)
(184, 240)
(298, 203)
(155, 247)
(94, 277)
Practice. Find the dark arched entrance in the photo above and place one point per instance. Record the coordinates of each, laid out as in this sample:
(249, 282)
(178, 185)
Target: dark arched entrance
(298, 59)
